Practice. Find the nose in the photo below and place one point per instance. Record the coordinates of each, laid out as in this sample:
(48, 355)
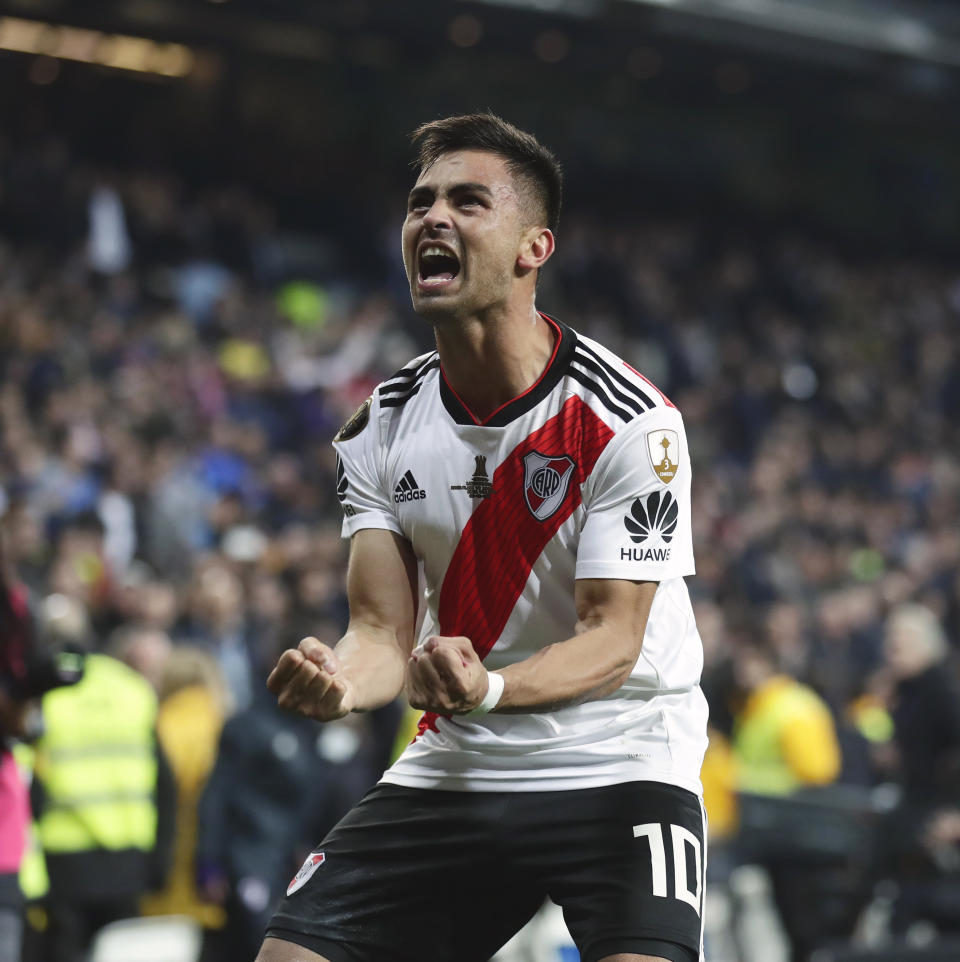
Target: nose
(438, 216)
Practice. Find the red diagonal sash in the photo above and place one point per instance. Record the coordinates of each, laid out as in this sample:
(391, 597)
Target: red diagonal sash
(502, 540)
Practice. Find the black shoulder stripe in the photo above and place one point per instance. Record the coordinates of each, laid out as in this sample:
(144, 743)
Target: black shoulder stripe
(602, 396)
(400, 399)
(407, 371)
(627, 385)
(396, 384)
(630, 401)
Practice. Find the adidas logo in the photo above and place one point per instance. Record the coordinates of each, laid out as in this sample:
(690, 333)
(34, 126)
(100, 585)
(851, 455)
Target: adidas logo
(407, 489)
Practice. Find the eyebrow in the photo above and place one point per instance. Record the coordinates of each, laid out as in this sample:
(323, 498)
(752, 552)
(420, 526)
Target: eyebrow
(462, 188)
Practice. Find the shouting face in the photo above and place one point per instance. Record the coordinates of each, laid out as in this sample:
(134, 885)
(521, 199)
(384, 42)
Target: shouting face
(465, 236)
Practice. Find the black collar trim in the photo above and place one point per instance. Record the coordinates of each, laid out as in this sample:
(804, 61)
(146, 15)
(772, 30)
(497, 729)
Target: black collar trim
(556, 368)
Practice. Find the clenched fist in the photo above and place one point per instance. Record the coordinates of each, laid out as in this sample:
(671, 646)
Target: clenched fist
(444, 675)
(308, 680)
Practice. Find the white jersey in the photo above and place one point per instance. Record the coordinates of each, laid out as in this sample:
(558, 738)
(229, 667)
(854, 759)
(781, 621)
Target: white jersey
(585, 475)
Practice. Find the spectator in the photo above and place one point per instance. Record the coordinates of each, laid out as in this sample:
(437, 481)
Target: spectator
(784, 736)
(784, 739)
(218, 624)
(144, 649)
(26, 672)
(104, 794)
(925, 705)
(14, 806)
(278, 785)
(193, 704)
(924, 701)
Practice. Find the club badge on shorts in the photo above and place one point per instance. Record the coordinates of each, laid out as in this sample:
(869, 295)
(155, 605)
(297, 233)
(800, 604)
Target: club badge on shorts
(313, 861)
(546, 481)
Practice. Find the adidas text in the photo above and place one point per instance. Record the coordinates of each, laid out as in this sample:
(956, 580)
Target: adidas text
(644, 554)
(407, 489)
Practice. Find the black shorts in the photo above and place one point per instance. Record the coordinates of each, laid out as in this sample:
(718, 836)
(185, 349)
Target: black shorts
(413, 875)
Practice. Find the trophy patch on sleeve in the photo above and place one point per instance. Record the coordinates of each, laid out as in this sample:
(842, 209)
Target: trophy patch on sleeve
(664, 449)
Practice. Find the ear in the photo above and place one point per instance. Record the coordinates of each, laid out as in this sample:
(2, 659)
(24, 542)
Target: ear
(536, 248)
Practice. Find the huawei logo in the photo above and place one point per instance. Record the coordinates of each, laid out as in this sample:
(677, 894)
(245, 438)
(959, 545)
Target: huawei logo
(657, 516)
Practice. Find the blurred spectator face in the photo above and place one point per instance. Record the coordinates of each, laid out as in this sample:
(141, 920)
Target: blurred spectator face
(145, 650)
(66, 578)
(283, 475)
(81, 542)
(913, 640)
(64, 619)
(218, 597)
(784, 625)
(157, 604)
(24, 535)
(317, 587)
(295, 544)
(79, 569)
(226, 512)
(328, 546)
(842, 612)
(751, 668)
(269, 600)
(128, 468)
(187, 666)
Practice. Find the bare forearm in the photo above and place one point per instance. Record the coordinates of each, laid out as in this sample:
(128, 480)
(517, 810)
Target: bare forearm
(588, 666)
(446, 676)
(372, 660)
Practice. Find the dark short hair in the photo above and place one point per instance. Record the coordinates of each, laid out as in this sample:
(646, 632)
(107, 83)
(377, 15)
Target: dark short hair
(527, 159)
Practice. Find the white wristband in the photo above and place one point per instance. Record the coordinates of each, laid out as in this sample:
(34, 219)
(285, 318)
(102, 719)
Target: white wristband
(492, 698)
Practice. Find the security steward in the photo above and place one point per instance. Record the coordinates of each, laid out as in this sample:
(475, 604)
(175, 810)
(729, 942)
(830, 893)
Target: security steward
(105, 801)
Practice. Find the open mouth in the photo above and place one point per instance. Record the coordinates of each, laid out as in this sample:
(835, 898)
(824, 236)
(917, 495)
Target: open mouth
(437, 266)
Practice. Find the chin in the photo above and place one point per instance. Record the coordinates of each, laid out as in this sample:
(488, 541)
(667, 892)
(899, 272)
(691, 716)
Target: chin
(436, 307)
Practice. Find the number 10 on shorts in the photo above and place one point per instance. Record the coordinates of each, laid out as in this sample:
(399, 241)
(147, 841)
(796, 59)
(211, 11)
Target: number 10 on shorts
(681, 837)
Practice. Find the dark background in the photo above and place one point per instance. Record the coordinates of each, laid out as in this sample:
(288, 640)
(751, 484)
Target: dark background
(651, 109)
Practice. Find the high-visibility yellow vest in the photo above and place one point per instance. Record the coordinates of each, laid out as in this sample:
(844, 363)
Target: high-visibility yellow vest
(97, 762)
(785, 738)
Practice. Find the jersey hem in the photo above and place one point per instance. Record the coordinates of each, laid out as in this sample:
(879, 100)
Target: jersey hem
(607, 569)
(367, 521)
(545, 783)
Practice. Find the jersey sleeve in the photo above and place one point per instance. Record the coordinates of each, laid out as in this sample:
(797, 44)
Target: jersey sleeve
(637, 500)
(364, 501)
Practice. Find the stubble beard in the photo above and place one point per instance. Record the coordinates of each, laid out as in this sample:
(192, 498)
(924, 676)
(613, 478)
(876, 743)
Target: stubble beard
(447, 311)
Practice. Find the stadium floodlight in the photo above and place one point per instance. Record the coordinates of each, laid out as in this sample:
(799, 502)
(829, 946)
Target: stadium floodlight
(119, 51)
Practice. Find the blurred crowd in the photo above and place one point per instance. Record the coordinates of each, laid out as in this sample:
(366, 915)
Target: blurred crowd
(173, 364)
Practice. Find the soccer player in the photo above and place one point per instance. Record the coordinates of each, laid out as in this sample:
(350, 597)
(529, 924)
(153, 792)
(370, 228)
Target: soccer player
(544, 487)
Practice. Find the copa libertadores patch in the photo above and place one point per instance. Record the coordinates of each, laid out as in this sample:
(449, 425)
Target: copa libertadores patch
(357, 422)
(664, 449)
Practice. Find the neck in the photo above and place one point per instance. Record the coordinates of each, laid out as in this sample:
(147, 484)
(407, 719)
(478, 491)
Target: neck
(490, 361)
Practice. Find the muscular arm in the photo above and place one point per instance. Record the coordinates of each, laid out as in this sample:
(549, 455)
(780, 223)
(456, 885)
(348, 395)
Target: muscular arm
(445, 675)
(365, 669)
(611, 619)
